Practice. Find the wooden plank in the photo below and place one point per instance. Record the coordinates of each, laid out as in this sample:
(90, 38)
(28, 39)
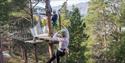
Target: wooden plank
(45, 38)
(20, 38)
(32, 41)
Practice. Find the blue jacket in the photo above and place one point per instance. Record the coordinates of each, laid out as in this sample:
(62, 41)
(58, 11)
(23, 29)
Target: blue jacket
(54, 18)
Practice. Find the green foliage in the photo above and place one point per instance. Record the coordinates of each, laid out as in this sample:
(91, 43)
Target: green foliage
(77, 38)
(101, 27)
(122, 9)
(103, 42)
(118, 48)
(3, 12)
(120, 56)
(9, 6)
(64, 15)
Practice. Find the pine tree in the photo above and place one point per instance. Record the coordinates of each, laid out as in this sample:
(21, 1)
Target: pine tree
(101, 27)
(64, 15)
(77, 38)
(120, 56)
(3, 12)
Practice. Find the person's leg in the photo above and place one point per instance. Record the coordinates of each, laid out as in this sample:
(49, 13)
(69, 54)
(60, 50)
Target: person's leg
(58, 59)
(54, 23)
(54, 26)
(59, 54)
(52, 58)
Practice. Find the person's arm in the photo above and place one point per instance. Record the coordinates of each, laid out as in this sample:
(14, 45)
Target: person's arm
(55, 35)
(66, 30)
(56, 38)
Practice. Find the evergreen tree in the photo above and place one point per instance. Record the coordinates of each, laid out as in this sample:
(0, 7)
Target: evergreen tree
(122, 13)
(64, 15)
(77, 38)
(120, 56)
(102, 23)
(3, 12)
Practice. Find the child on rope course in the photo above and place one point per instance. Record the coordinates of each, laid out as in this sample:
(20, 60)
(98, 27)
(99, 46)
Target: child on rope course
(63, 45)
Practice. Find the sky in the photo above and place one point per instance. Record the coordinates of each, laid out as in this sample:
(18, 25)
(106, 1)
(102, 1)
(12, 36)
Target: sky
(60, 2)
(70, 2)
(56, 4)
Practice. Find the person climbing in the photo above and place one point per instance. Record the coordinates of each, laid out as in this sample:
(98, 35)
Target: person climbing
(54, 19)
(63, 45)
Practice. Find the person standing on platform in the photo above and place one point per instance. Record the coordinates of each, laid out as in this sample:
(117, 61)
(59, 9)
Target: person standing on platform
(54, 19)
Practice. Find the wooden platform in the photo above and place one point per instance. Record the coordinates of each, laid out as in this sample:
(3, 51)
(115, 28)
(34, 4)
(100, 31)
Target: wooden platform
(39, 38)
(34, 41)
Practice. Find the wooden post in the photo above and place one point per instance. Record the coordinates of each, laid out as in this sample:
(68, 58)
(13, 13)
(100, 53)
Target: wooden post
(59, 20)
(21, 50)
(35, 51)
(31, 13)
(48, 14)
(25, 54)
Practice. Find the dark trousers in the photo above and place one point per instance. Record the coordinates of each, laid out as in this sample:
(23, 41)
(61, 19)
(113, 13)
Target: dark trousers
(54, 24)
(56, 56)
